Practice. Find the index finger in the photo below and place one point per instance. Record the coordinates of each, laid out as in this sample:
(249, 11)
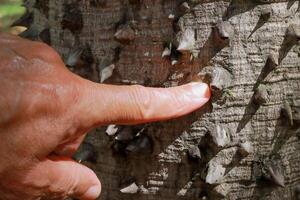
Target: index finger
(107, 104)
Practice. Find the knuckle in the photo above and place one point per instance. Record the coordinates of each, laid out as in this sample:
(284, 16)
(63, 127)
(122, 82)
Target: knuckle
(45, 51)
(41, 45)
(142, 98)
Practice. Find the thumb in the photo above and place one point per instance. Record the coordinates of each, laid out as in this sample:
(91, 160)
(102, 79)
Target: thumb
(64, 177)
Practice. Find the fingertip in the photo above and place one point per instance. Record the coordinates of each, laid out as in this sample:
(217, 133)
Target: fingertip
(206, 91)
(92, 193)
(198, 95)
(188, 98)
(201, 91)
(94, 190)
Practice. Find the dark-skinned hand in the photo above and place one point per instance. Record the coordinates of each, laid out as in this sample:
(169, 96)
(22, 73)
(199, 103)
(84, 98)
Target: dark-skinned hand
(45, 112)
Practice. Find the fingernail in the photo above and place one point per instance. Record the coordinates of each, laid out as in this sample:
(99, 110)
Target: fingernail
(200, 90)
(93, 192)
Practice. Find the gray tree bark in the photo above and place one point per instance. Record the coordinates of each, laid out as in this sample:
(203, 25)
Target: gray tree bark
(243, 145)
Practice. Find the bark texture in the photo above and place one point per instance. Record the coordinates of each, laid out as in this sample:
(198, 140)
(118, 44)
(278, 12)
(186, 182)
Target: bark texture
(249, 52)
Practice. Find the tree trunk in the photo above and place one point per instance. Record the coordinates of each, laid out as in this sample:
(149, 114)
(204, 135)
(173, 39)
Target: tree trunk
(248, 51)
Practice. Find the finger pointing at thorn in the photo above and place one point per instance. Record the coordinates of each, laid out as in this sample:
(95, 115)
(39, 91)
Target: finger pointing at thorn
(106, 104)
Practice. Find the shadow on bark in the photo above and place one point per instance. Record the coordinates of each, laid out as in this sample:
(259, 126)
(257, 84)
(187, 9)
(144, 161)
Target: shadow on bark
(235, 8)
(252, 105)
(291, 3)
(283, 132)
(140, 166)
(249, 112)
(213, 45)
(285, 47)
(261, 21)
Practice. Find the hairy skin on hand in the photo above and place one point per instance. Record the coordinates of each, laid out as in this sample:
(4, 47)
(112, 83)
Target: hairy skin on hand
(46, 111)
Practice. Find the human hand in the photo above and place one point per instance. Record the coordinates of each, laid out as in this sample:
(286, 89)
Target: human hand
(46, 111)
